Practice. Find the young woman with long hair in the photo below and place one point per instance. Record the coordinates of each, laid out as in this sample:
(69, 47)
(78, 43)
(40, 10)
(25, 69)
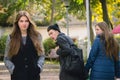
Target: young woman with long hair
(103, 57)
(24, 53)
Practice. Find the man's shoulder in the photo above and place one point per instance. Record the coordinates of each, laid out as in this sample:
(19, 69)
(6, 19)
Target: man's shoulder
(61, 35)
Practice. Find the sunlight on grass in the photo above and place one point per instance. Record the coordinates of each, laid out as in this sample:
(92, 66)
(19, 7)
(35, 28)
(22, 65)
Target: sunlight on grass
(51, 62)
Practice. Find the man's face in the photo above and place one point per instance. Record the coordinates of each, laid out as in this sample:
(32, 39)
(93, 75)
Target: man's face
(53, 34)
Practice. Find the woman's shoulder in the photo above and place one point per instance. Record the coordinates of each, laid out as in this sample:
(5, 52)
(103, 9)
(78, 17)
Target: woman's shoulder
(97, 41)
(97, 38)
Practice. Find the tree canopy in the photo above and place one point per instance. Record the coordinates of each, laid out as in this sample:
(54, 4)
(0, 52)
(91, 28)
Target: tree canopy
(45, 12)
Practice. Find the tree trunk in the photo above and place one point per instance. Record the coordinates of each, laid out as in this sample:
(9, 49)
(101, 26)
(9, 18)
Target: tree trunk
(105, 14)
(52, 12)
(91, 30)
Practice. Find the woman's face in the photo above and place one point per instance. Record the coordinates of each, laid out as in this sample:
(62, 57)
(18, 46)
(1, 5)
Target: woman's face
(53, 34)
(98, 30)
(23, 23)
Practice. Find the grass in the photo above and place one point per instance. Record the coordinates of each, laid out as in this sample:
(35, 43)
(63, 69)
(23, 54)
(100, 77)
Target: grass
(51, 62)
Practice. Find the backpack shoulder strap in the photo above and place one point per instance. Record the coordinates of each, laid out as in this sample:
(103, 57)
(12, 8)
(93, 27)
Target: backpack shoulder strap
(78, 51)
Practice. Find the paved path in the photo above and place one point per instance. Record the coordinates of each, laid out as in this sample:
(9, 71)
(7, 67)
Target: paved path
(50, 72)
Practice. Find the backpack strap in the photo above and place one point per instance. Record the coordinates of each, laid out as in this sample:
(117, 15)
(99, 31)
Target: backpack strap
(78, 51)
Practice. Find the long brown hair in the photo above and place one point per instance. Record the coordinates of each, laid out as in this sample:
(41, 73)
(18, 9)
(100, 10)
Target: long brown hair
(15, 36)
(111, 44)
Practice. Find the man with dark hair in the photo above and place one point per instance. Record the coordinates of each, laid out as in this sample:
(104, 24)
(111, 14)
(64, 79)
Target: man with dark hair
(64, 49)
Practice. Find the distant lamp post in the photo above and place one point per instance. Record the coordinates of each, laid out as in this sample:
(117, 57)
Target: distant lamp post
(88, 26)
(67, 19)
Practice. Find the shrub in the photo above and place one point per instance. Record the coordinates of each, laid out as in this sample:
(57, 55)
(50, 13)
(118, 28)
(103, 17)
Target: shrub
(2, 46)
(48, 45)
(2, 43)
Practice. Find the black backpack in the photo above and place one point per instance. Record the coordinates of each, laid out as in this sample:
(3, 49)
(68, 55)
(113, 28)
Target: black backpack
(74, 63)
